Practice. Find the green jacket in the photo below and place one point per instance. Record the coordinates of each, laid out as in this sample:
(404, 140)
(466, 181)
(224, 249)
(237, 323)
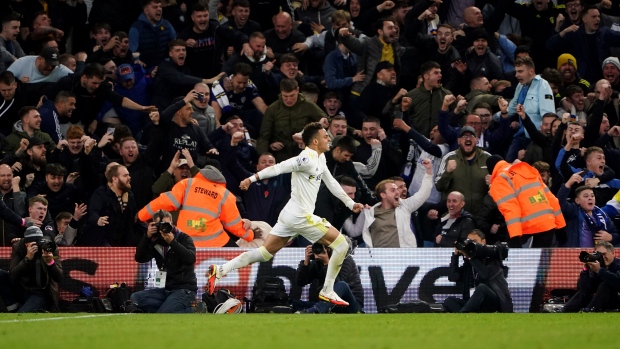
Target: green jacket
(11, 142)
(467, 179)
(477, 96)
(425, 107)
(280, 123)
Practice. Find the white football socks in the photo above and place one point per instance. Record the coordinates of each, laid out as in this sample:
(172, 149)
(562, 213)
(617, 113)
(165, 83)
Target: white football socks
(246, 258)
(339, 251)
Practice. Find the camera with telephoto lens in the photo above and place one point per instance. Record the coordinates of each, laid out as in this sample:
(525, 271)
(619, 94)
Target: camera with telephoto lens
(475, 250)
(46, 244)
(163, 227)
(586, 257)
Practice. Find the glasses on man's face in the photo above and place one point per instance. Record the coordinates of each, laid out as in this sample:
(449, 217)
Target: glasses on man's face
(575, 5)
(468, 137)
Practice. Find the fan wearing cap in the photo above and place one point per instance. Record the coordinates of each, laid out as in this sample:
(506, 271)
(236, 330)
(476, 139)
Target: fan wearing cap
(42, 68)
(36, 271)
(377, 94)
(480, 60)
(567, 66)
(589, 43)
(611, 72)
(464, 170)
(528, 206)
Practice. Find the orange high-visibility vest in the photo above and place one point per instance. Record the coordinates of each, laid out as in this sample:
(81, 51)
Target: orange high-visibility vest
(205, 208)
(527, 204)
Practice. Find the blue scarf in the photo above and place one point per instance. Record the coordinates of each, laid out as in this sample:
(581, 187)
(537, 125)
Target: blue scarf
(596, 222)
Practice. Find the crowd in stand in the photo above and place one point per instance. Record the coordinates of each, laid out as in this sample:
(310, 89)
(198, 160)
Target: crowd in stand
(109, 104)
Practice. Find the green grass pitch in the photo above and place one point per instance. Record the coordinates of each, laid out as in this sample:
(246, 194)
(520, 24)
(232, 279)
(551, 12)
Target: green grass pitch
(275, 331)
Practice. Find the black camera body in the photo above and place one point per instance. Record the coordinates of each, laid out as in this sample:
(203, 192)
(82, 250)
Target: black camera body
(475, 250)
(596, 256)
(46, 244)
(163, 227)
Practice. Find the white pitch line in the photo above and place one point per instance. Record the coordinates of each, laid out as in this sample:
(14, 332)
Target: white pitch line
(61, 318)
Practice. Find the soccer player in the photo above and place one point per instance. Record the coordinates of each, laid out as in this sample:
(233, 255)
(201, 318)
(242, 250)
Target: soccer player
(308, 169)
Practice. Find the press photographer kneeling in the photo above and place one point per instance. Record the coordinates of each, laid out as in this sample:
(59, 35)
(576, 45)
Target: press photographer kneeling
(36, 271)
(175, 255)
(312, 270)
(485, 289)
(599, 281)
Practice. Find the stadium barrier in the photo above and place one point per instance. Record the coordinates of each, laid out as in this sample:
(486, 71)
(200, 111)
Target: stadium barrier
(388, 275)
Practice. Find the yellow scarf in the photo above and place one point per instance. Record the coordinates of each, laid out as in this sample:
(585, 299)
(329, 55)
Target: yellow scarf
(387, 53)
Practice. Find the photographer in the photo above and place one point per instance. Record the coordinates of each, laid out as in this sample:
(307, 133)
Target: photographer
(36, 271)
(485, 289)
(175, 255)
(598, 284)
(312, 270)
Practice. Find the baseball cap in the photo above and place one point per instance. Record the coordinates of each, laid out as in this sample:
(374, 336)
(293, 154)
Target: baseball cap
(567, 58)
(492, 162)
(383, 65)
(32, 141)
(467, 129)
(50, 54)
(182, 162)
(125, 72)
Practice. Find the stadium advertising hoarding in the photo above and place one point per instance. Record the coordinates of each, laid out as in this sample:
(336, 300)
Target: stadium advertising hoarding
(388, 275)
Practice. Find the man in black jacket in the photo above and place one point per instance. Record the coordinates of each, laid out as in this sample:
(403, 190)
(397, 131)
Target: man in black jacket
(482, 274)
(175, 255)
(111, 212)
(36, 272)
(348, 286)
(338, 161)
(598, 284)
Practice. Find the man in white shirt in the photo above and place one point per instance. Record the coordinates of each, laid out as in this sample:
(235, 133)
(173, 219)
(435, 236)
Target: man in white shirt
(42, 68)
(297, 218)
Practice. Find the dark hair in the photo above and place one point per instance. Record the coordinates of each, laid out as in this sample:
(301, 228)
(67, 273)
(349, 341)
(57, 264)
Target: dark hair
(309, 87)
(63, 215)
(23, 111)
(526, 61)
(553, 76)
(550, 115)
(380, 21)
(522, 49)
(63, 96)
(288, 85)
(55, 170)
(64, 58)
(94, 70)
(10, 18)
(348, 181)
(372, 119)
(241, 3)
(177, 42)
(243, 69)
(310, 132)
(100, 25)
(7, 77)
(571, 90)
(428, 66)
(346, 143)
(478, 232)
(121, 132)
(121, 35)
(587, 9)
(582, 188)
(199, 7)
(145, 3)
(289, 57)
(484, 105)
(332, 95)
